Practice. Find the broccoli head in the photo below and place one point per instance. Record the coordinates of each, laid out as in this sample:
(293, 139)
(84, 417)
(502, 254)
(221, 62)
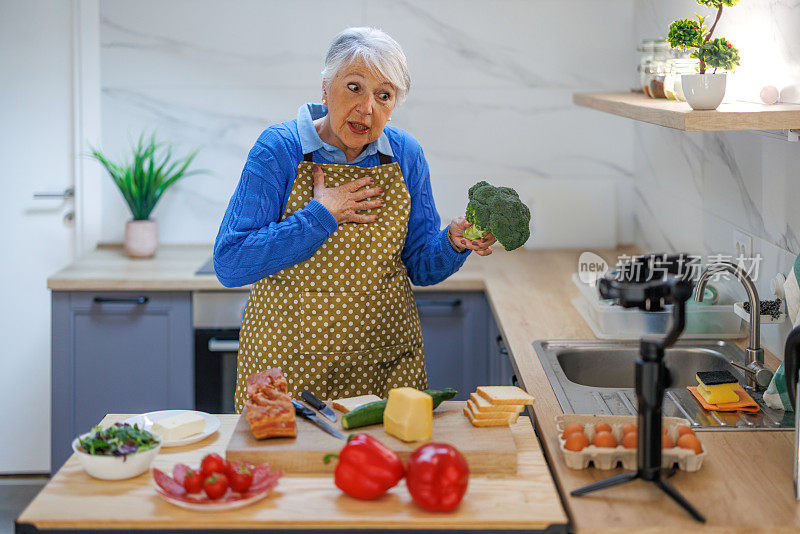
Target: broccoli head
(500, 211)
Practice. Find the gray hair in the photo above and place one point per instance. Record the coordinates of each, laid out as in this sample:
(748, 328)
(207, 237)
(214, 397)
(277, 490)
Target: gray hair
(375, 48)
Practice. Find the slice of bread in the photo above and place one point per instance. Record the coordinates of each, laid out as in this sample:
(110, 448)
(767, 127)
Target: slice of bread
(500, 395)
(500, 421)
(351, 403)
(478, 414)
(484, 405)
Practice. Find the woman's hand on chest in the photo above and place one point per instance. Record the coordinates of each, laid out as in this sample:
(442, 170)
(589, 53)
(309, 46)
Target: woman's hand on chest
(346, 200)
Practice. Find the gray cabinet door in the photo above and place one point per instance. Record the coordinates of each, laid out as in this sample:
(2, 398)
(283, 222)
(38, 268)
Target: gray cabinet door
(117, 352)
(455, 329)
(501, 372)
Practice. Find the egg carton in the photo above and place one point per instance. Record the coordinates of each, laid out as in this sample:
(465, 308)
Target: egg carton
(608, 458)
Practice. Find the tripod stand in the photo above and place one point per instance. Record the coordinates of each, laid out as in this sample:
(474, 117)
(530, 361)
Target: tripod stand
(652, 378)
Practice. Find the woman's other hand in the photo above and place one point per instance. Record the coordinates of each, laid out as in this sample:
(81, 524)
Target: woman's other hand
(480, 246)
(344, 201)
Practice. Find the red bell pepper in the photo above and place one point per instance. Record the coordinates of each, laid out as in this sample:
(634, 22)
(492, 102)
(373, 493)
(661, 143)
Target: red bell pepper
(367, 468)
(437, 477)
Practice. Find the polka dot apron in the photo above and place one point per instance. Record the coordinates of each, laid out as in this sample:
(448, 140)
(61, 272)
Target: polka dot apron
(344, 322)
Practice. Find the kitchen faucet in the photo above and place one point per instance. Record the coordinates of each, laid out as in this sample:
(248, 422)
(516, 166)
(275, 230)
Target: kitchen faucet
(758, 376)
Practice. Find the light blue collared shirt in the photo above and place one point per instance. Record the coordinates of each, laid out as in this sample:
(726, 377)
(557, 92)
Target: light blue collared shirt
(311, 142)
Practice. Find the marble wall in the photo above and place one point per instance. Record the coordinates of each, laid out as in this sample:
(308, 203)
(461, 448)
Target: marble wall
(490, 99)
(694, 190)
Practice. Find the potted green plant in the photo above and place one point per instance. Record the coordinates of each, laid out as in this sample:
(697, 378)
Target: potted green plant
(142, 182)
(705, 90)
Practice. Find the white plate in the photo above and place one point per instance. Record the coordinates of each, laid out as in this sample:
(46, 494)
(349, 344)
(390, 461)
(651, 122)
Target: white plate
(146, 421)
(207, 505)
(199, 502)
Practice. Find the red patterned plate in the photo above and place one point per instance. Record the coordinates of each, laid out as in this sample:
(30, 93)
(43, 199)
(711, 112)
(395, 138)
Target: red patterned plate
(170, 488)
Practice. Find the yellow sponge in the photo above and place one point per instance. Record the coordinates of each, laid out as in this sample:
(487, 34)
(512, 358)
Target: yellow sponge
(717, 387)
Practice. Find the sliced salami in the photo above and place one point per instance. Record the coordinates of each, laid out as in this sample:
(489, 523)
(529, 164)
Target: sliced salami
(168, 484)
(269, 481)
(179, 473)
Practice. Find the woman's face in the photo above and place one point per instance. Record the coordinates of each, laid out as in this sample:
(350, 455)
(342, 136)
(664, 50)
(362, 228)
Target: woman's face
(359, 104)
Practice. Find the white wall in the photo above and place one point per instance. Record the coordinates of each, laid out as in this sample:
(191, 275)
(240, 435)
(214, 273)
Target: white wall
(694, 189)
(491, 98)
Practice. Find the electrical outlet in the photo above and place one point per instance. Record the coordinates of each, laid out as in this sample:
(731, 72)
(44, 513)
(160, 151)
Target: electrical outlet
(742, 244)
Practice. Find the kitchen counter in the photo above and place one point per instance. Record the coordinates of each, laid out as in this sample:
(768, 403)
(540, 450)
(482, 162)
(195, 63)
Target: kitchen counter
(173, 268)
(72, 500)
(745, 483)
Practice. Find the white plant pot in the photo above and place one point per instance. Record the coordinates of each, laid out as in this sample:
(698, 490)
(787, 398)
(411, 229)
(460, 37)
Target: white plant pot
(704, 91)
(141, 238)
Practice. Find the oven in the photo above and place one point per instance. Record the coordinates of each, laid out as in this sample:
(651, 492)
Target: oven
(217, 319)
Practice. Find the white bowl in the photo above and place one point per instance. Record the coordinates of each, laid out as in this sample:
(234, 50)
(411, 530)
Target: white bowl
(116, 467)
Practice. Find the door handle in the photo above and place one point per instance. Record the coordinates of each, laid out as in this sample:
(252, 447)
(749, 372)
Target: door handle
(501, 346)
(67, 194)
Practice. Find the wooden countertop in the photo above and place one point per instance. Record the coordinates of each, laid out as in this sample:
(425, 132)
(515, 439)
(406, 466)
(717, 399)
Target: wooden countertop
(73, 500)
(173, 268)
(745, 483)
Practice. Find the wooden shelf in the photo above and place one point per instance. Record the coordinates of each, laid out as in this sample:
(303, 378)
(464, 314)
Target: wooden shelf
(678, 115)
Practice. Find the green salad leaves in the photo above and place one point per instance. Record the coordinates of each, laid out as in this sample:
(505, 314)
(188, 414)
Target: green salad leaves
(119, 439)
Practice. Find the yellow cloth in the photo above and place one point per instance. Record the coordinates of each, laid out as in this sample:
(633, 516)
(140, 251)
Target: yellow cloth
(344, 322)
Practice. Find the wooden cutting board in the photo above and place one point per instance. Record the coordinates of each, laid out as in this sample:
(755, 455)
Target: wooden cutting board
(487, 449)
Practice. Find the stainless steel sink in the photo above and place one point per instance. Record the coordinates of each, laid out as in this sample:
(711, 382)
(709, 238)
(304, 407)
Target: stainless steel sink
(597, 377)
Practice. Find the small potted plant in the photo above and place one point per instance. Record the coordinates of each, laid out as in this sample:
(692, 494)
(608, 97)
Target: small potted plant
(706, 89)
(142, 182)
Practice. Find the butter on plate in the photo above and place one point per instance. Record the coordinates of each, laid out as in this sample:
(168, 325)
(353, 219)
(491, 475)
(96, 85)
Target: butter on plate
(179, 426)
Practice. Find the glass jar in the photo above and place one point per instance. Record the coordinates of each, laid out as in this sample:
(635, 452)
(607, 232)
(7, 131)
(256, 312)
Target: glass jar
(657, 69)
(646, 48)
(676, 69)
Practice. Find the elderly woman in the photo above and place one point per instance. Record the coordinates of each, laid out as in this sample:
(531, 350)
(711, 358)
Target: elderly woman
(332, 217)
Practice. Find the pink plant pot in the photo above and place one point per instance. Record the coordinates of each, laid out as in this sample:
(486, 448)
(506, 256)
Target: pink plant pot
(141, 238)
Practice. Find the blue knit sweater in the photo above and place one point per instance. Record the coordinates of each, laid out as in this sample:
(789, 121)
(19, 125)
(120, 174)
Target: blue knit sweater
(253, 242)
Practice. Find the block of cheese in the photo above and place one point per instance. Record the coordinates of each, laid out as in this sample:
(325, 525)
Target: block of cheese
(501, 419)
(499, 395)
(179, 426)
(409, 415)
(483, 405)
(717, 387)
(351, 403)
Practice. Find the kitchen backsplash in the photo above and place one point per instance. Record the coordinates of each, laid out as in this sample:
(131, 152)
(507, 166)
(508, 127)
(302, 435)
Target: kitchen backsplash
(693, 190)
(491, 99)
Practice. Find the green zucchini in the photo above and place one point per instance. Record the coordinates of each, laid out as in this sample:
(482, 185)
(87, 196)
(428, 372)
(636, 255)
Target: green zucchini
(372, 413)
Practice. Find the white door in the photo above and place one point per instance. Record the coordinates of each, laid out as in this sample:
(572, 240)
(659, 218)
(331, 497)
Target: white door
(37, 154)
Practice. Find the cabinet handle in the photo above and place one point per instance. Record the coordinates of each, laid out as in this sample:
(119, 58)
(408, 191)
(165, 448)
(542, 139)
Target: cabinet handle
(501, 346)
(131, 300)
(439, 303)
(223, 345)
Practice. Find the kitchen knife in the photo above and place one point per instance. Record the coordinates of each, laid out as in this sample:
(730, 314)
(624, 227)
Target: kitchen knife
(308, 413)
(319, 405)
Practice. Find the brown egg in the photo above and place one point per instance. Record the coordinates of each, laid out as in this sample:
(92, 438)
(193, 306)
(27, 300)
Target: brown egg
(627, 428)
(666, 442)
(690, 441)
(683, 429)
(576, 441)
(570, 429)
(604, 439)
(630, 440)
(602, 427)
